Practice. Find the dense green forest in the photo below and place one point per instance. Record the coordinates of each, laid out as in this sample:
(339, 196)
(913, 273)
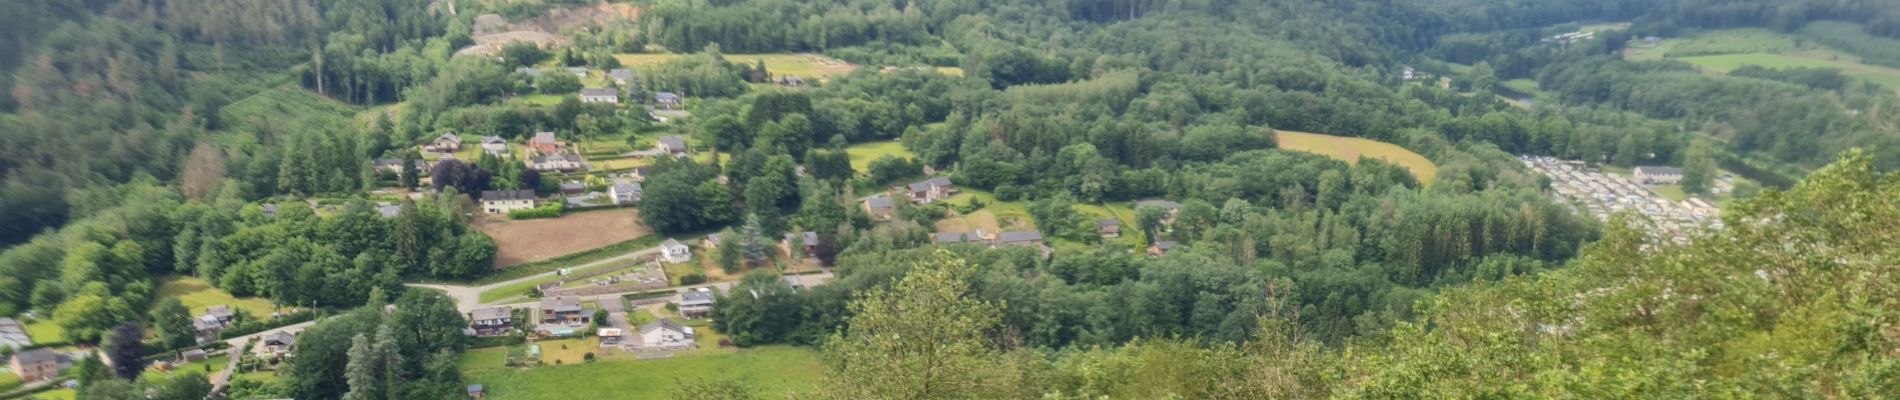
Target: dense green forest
(230, 140)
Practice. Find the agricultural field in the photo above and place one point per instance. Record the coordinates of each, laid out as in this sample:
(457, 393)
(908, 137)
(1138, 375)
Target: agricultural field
(1351, 149)
(863, 153)
(525, 241)
(769, 371)
(1718, 52)
(198, 295)
(810, 66)
(1722, 64)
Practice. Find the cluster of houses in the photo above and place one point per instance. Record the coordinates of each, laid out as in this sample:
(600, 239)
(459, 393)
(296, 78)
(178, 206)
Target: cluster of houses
(1600, 195)
(214, 321)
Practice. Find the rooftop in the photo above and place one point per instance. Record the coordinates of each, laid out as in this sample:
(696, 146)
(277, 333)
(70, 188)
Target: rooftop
(504, 195)
(1019, 236)
(599, 92)
(491, 313)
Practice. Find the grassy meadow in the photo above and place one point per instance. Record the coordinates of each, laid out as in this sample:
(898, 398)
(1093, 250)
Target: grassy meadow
(863, 153)
(198, 295)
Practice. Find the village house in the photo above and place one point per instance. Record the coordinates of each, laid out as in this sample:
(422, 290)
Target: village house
(667, 100)
(675, 252)
(13, 334)
(1019, 238)
(621, 76)
(277, 343)
(1658, 175)
(477, 392)
(666, 333)
(1108, 228)
(600, 95)
(625, 193)
(958, 237)
(799, 243)
(1160, 248)
(573, 187)
(394, 166)
(503, 201)
(493, 321)
(530, 72)
(208, 328)
(35, 365)
(495, 146)
(194, 355)
(640, 174)
(697, 303)
(563, 311)
(930, 190)
(545, 143)
(579, 72)
(673, 145)
(557, 163)
(270, 210)
(609, 336)
(711, 241)
(446, 143)
(879, 207)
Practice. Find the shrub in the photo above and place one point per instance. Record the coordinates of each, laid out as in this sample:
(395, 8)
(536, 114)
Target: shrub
(692, 279)
(550, 210)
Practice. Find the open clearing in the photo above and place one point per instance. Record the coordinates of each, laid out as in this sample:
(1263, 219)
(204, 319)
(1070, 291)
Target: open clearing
(770, 371)
(526, 241)
(811, 66)
(862, 154)
(1350, 149)
(197, 294)
(1718, 52)
(1883, 76)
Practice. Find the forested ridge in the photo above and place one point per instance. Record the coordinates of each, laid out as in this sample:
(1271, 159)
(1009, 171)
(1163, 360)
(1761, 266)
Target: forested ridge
(230, 140)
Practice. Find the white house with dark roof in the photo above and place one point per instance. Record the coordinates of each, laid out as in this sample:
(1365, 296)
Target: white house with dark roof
(600, 95)
(491, 321)
(557, 163)
(1650, 175)
(579, 72)
(503, 201)
(675, 252)
(495, 146)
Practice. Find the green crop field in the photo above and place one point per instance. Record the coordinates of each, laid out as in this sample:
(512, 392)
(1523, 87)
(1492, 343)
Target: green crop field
(1350, 149)
(1732, 41)
(770, 371)
(197, 294)
(1883, 76)
(863, 153)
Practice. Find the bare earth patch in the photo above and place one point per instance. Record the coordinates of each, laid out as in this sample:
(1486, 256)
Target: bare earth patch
(526, 241)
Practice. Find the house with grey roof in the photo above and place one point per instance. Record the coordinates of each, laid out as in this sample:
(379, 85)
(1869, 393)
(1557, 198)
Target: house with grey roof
(1019, 238)
(503, 201)
(495, 146)
(557, 163)
(625, 193)
(668, 100)
(879, 207)
(35, 365)
(600, 95)
(800, 243)
(562, 310)
(621, 76)
(675, 252)
(277, 343)
(930, 190)
(492, 321)
(957, 237)
(697, 303)
(671, 144)
(1108, 227)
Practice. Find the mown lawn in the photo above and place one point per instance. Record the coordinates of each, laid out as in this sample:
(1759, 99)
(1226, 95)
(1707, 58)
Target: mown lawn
(1350, 149)
(216, 363)
(61, 394)
(198, 295)
(864, 153)
(1883, 76)
(43, 330)
(770, 371)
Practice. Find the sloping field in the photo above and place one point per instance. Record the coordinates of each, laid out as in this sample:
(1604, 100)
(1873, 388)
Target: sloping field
(285, 108)
(768, 371)
(811, 66)
(526, 241)
(1350, 149)
(1883, 76)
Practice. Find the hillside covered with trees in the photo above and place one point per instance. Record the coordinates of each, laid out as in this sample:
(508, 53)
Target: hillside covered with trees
(231, 141)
